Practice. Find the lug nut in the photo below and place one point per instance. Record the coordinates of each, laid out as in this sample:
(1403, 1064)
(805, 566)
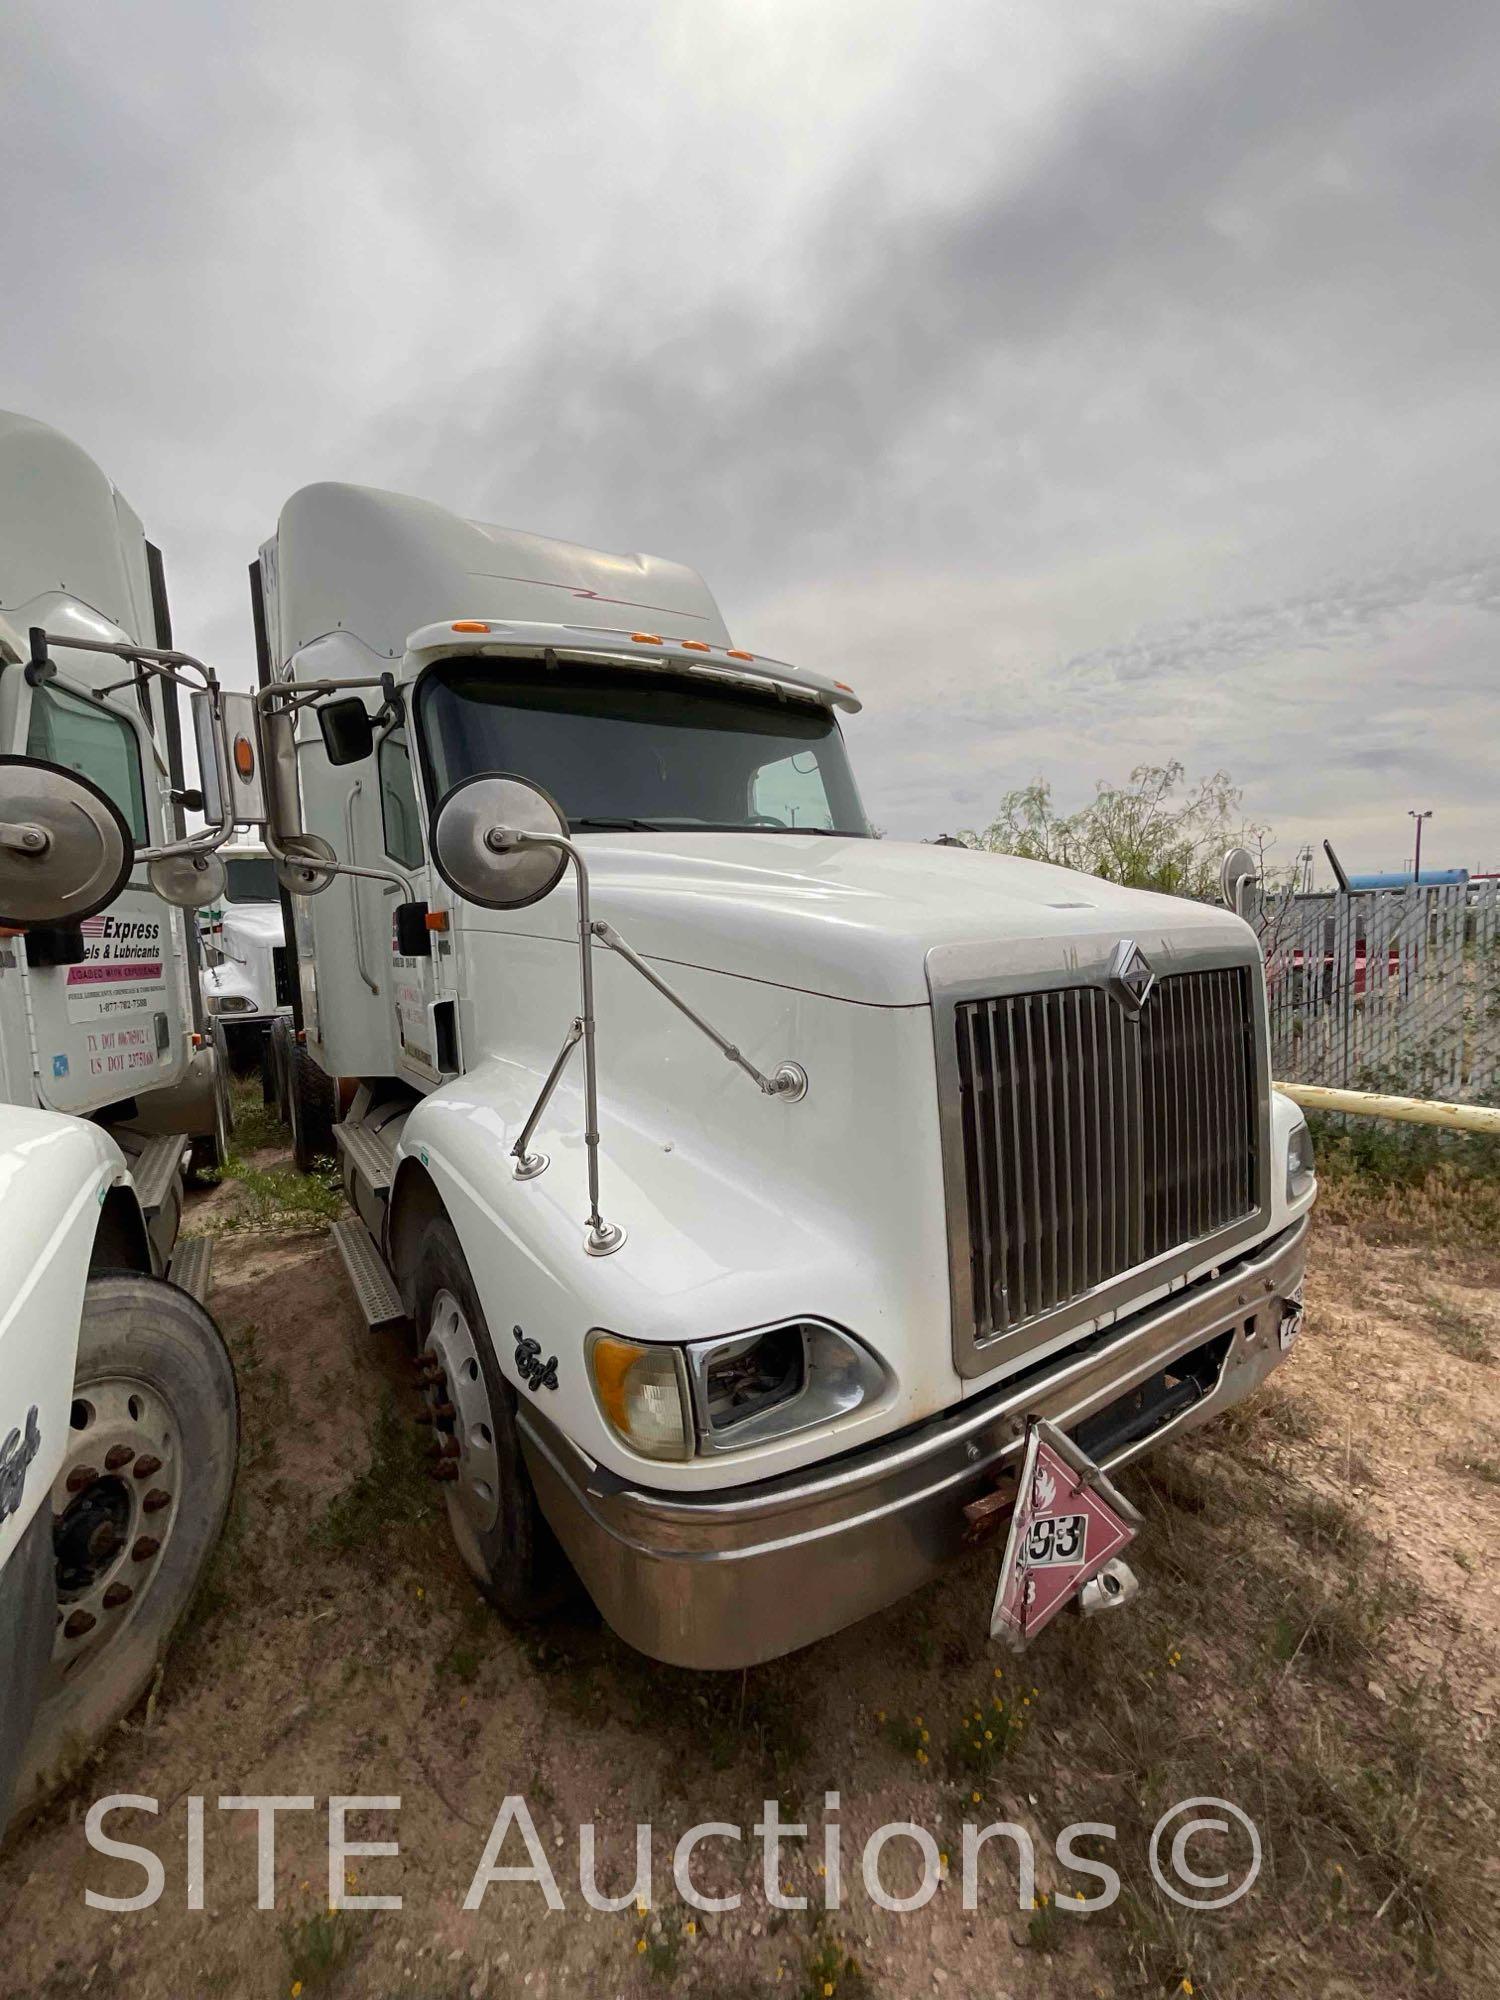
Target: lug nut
(118, 1457)
(145, 1466)
(79, 1623)
(443, 1413)
(447, 1449)
(81, 1476)
(446, 1470)
(145, 1547)
(116, 1595)
(155, 1500)
(424, 1415)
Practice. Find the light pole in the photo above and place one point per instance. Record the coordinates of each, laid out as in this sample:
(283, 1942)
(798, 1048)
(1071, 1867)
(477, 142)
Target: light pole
(1412, 813)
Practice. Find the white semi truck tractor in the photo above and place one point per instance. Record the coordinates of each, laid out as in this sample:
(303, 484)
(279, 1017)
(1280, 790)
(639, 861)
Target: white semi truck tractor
(760, 1191)
(101, 1017)
(118, 1415)
(246, 970)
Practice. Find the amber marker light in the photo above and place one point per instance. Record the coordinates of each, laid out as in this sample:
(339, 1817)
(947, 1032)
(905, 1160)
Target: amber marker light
(470, 625)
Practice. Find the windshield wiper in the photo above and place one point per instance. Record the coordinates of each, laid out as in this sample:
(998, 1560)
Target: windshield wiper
(606, 825)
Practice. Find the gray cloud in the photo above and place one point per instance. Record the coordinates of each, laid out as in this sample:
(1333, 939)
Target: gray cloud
(1089, 385)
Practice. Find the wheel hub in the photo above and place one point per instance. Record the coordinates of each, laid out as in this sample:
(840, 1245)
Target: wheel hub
(457, 1405)
(114, 1507)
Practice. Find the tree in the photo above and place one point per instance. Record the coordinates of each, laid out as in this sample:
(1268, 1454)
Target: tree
(1150, 833)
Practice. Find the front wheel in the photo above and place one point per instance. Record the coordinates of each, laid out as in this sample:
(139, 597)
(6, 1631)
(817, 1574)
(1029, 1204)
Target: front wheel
(493, 1510)
(137, 1507)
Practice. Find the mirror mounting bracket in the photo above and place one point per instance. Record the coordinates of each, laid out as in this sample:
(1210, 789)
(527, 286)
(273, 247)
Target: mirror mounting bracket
(39, 668)
(787, 1082)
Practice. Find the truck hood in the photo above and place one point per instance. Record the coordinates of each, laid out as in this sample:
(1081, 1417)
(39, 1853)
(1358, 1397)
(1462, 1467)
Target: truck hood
(853, 919)
(256, 923)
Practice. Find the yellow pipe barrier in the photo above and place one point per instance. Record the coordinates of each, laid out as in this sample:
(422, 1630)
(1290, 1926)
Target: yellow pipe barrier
(1410, 1110)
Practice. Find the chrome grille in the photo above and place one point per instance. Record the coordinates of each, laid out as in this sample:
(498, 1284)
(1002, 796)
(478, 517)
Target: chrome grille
(1095, 1141)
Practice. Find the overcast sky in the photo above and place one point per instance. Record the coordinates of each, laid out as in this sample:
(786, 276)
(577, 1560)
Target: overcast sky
(1088, 381)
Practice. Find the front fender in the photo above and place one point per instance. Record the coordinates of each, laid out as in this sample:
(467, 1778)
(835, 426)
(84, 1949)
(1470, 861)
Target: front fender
(708, 1250)
(55, 1174)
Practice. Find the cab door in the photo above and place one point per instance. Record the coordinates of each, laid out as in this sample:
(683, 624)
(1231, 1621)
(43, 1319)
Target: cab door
(418, 953)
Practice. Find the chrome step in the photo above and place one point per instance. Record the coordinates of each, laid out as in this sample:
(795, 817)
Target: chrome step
(154, 1165)
(190, 1266)
(364, 1151)
(374, 1287)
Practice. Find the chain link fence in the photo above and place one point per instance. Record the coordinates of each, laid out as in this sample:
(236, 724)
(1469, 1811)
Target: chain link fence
(1395, 990)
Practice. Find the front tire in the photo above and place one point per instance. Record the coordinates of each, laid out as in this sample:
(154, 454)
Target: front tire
(155, 1421)
(493, 1510)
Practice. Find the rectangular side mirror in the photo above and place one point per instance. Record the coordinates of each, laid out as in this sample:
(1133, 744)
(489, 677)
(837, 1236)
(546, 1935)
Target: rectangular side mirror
(412, 938)
(209, 776)
(348, 734)
(247, 794)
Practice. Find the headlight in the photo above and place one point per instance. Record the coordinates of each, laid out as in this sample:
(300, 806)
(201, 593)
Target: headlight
(739, 1390)
(1300, 1171)
(751, 1387)
(229, 1003)
(643, 1394)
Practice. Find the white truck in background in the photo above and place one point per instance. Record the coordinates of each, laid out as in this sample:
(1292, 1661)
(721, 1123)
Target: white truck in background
(757, 1188)
(246, 971)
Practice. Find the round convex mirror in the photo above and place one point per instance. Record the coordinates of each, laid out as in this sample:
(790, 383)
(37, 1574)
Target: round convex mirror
(188, 881)
(307, 868)
(468, 842)
(65, 850)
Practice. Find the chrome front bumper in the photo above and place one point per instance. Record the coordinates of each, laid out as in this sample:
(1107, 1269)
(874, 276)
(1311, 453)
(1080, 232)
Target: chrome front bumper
(730, 1578)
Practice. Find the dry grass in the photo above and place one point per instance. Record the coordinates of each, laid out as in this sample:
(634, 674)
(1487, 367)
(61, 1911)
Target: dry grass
(1295, 1649)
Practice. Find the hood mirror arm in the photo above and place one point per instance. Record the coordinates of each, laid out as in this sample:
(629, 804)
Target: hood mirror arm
(789, 1082)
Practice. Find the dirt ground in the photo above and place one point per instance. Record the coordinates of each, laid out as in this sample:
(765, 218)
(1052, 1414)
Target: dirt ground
(1315, 1641)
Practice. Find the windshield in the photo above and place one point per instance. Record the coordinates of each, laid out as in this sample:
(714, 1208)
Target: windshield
(251, 879)
(640, 751)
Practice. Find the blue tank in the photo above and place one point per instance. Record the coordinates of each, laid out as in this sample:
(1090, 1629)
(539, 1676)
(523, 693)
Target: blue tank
(1402, 878)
